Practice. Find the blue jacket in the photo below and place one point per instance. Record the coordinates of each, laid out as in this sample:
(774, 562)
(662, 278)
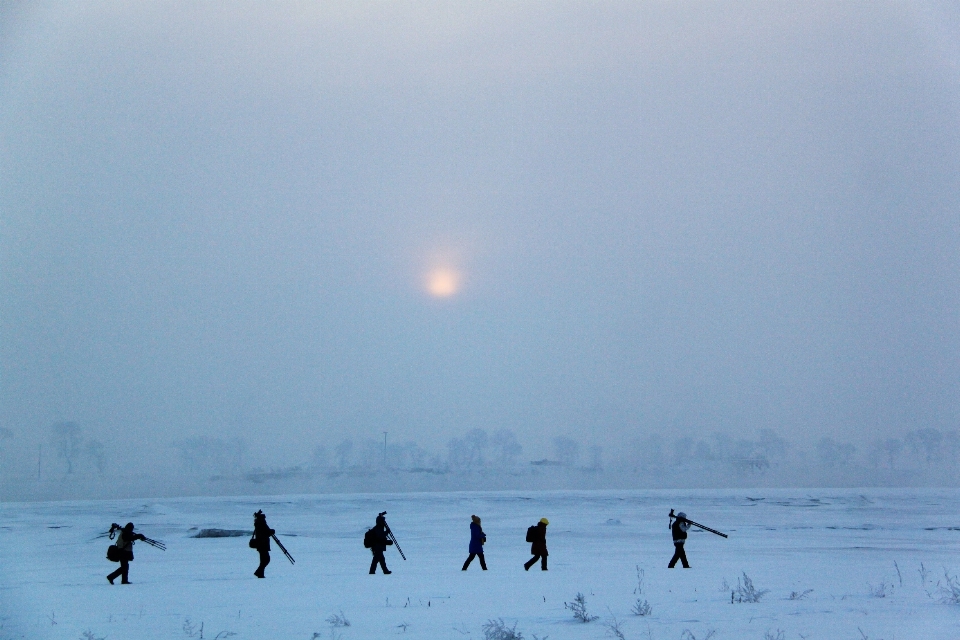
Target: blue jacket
(477, 538)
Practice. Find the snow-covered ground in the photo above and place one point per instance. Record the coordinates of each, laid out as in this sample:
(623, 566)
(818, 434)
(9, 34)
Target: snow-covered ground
(841, 548)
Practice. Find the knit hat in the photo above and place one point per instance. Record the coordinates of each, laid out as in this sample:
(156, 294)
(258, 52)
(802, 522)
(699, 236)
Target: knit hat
(544, 521)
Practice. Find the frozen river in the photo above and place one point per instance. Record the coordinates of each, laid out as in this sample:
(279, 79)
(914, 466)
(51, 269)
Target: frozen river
(858, 563)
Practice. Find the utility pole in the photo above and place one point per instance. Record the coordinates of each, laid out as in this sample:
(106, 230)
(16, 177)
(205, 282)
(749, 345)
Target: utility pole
(384, 449)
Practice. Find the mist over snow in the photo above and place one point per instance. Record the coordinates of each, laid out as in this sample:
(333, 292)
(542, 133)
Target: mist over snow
(540, 245)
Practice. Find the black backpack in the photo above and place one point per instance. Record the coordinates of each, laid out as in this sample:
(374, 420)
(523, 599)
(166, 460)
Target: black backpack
(369, 538)
(531, 533)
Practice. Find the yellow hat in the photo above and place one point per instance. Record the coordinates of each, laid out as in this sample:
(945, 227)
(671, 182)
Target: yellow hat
(544, 521)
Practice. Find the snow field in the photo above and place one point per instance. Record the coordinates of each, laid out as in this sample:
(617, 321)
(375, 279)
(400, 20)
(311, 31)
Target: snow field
(841, 544)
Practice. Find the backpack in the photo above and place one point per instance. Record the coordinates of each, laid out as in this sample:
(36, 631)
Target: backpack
(369, 538)
(116, 554)
(531, 533)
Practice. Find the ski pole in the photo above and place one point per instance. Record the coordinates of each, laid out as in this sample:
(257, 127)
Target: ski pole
(284, 549)
(698, 525)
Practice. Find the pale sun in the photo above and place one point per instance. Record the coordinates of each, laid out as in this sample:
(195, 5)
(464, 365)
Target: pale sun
(443, 282)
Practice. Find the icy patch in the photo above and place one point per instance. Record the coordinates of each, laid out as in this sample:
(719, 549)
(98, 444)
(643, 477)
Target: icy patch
(222, 533)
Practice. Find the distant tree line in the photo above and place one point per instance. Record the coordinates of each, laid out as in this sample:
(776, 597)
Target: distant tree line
(74, 450)
(923, 453)
(650, 459)
(475, 450)
(212, 456)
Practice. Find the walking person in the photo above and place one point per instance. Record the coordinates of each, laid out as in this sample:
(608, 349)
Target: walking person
(477, 540)
(376, 539)
(126, 538)
(537, 537)
(261, 541)
(679, 528)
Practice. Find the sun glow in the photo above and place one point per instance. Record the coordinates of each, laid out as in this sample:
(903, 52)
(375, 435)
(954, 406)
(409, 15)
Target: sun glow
(443, 282)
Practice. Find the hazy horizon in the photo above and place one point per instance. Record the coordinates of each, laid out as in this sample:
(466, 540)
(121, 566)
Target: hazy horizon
(293, 225)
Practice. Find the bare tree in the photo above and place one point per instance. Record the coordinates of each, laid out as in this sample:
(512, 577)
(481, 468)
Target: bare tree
(742, 454)
(596, 458)
(476, 440)
(211, 455)
(772, 445)
(468, 452)
(567, 451)
(66, 442)
(925, 442)
(892, 448)
(94, 450)
(343, 454)
(506, 449)
(407, 455)
(834, 454)
(320, 458)
(682, 451)
(370, 454)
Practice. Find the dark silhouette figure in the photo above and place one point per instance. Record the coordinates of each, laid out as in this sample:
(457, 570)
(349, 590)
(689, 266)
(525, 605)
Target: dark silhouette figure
(261, 541)
(537, 537)
(125, 540)
(378, 540)
(680, 527)
(477, 539)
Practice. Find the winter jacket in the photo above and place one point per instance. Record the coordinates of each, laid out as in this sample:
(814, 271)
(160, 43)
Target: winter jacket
(477, 538)
(125, 543)
(539, 545)
(261, 534)
(680, 528)
(380, 540)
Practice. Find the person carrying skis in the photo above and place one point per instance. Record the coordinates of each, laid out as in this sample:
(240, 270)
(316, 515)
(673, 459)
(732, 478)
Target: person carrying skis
(537, 537)
(377, 540)
(477, 540)
(125, 540)
(261, 541)
(679, 528)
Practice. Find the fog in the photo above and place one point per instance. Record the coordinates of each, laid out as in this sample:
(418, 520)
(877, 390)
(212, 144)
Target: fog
(272, 247)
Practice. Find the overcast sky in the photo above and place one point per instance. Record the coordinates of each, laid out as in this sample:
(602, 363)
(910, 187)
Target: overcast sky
(295, 223)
